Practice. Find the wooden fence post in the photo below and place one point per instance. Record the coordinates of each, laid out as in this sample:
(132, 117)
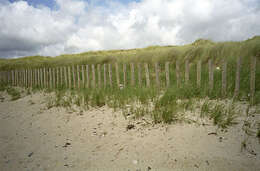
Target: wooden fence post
(110, 74)
(93, 76)
(62, 75)
(69, 77)
(19, 78)
(224, 78)
(252, 79)
(105, 75)
(57, 77)
(38, 78)
(35, 77)
(87, 72)
(167, 73)
(117, 75)
(132, 66)
(211, 76)
(124, 74)
(74, 76)
(44, 78)
(78, 73)
(147, 75)
(157, 71)
(50, 80)
(83, 76)
(12, 78)
(31, 76)
(237, 84)
(25, 78)
(199, 74)
(15, 77)
(1, 77)
(41, 78)
(178, 73)
(187, 71)
(65, 77)
(99, 75)
(139, 74)
(54, 81)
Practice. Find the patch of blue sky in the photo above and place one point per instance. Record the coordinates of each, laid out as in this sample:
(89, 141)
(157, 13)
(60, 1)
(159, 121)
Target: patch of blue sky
(36, 3)
(52, 3)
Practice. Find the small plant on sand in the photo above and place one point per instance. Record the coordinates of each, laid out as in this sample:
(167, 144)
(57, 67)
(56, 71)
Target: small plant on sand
(221, 114)
(14, 93)
(2, 87)
(205, 109)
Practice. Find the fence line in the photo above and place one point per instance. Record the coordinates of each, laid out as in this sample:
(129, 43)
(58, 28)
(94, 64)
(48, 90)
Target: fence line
(79, 77)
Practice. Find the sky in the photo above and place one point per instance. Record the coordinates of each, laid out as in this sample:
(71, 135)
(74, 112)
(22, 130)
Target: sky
(55, 27)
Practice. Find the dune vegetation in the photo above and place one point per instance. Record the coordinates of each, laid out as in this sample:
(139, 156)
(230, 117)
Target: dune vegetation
(161, 103)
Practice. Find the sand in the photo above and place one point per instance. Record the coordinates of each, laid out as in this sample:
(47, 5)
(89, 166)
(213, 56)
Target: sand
(33, 137)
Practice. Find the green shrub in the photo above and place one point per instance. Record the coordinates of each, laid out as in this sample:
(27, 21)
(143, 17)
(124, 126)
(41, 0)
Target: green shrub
(14, 93)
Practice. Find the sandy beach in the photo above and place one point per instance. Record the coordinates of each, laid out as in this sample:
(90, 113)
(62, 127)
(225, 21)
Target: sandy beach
(35, 138)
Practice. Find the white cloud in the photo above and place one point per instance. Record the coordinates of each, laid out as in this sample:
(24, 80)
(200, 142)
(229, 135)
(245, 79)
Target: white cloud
(77, 26)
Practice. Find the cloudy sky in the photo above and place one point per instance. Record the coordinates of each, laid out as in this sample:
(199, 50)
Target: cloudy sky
(54, 27)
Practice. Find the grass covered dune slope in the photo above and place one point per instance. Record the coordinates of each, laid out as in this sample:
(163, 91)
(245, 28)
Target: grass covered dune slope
(200, 49)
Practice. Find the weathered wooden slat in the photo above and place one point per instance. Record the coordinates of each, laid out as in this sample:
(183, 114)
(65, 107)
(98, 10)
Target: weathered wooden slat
(74, 76)
(132, 66)
(252, 79)
(178, 78)
(50, 80)
(69, 77)
(187, 71)
(124, 74)
(110, 74)
(105, 75)
(78, 74)
(157, 71)
(237, 83)
(139, 68)
(147, 75)
(41, 77)
(87, 74)
(54, 81)
(57, 73)
(66, 84)
(224, 78)
(99, 75)
(31, 76)
(117, 75)
(45, 79)
(199, 74)
(211, 76)
(83, 76)
(93, 76)
(167, 73)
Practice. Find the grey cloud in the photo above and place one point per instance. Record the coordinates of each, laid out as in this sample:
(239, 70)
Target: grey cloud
(77, 26)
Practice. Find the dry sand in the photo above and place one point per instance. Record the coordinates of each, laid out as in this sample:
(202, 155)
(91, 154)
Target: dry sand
(33, 137)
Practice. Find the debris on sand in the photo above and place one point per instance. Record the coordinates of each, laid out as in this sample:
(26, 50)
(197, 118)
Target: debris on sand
(66, 144)
(30, 154)
(212, 133)
(130, 126)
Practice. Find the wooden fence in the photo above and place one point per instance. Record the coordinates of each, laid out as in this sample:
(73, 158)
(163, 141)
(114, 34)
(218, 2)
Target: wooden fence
(90, 76)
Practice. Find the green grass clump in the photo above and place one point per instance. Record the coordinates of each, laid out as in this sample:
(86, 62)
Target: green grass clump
(14, 93)
(221, 114)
